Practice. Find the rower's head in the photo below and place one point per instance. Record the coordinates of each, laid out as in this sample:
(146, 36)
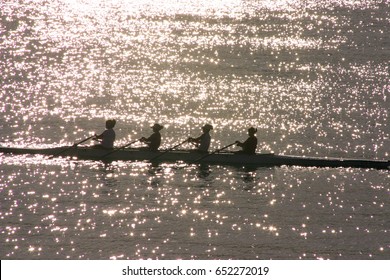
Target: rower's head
(110, 124)
(157, 127)
(252, 131)
(207, 128)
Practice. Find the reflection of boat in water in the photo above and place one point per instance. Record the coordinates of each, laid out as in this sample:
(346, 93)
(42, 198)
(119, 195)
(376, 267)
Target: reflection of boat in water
(221, 158)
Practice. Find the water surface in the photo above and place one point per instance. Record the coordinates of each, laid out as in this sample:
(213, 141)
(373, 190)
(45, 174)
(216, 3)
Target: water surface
(313, 77)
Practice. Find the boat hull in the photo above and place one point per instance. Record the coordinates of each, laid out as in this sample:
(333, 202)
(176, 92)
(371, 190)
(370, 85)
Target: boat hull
(223, 158)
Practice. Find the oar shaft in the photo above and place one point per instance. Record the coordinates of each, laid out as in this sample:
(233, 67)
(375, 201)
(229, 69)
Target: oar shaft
(170, 149)
(216, 151)
(120, 148)
(85, 140)
(73, 146)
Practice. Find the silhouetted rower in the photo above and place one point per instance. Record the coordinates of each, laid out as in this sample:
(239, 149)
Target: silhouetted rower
(202, 142)
(107, 138)
(154, 140)
(250, 145)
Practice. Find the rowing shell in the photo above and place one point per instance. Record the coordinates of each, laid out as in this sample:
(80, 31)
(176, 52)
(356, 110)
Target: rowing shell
(188, 156)
(223, 158)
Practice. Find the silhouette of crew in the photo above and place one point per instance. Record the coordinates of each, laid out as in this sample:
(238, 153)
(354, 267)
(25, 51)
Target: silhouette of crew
(250, 144)
(107, 138)
(202, 142)
(154, 140)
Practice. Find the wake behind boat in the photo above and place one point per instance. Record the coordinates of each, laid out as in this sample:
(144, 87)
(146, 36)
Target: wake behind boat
(221, 158)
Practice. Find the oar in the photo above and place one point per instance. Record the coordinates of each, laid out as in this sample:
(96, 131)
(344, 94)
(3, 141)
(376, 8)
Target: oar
(170, 149)
(216, 151)
(71, 147)
(120, 148)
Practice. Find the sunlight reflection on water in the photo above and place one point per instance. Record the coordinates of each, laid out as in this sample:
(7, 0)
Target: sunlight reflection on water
(143, 211)
(168, 66)
(312, 76)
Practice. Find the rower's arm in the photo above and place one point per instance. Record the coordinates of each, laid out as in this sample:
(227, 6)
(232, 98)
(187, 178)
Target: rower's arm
(195, 140)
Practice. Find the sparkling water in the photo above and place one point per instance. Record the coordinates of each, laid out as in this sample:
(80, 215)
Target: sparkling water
(312, 76)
